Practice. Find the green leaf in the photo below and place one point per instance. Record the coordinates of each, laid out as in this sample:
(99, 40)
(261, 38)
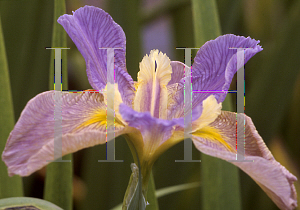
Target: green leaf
(173, 189)
(167, 191)
(59, 178)
(9, 186)
(126, 14)
(24, 203)
(220, 179)
(26, 36)
(134, 198)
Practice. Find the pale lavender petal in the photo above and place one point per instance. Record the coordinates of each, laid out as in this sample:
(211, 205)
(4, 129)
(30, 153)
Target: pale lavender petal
(30, 144)
(91, 28)
(272, 177)
(215, 64)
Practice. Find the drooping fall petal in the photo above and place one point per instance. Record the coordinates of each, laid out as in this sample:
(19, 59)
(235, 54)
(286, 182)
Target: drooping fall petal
(218, 139)
(30, 145)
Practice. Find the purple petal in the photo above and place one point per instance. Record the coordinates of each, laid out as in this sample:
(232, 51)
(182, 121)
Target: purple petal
(91, 28)
(158, 135)
(30, 144)
(176, 106)
(125, 86)
(272, 177)
(177, 72)
(149, 126)
(215, 64)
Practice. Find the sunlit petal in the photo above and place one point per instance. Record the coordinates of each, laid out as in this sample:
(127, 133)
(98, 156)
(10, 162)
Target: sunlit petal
(30, 144)
(218, 139)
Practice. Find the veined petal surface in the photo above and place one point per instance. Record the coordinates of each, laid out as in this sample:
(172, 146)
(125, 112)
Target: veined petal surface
(178, 71)
(215, 65)
(154, 131)
(153, 77)
(218, 139)
(176, 92)
(91, 28)
(31, 143)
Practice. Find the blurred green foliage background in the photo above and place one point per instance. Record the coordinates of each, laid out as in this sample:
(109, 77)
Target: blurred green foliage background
(272, 86)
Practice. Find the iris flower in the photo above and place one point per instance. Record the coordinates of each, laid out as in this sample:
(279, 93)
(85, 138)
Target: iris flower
(149, 112)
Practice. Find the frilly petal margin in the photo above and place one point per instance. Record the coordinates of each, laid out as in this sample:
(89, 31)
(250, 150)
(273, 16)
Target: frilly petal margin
(31, 142)
(270, 175)
(91, 28)
(215, 65)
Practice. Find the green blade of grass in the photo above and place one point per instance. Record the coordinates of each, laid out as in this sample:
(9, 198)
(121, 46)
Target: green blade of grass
(9, 186)
(220, 179)
(27, 203)
(58, 186)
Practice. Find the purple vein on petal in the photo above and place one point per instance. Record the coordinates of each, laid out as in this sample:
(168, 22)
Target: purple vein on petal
(91, 28)
(215, 64)
(31, 143)
(272, 177)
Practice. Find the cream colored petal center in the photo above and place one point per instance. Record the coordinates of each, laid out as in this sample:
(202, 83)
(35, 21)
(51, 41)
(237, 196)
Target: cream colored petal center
(211, 110)
(152, 95)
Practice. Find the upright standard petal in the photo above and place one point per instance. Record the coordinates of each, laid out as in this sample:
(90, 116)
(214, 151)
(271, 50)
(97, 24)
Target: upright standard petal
(176, 90)
(215, 65)
(219, 139)
(30, 145)
(178, 70)
(91, 28)
(153, 77)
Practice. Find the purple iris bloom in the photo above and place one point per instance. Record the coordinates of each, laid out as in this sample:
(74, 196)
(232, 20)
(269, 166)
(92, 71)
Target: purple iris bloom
(149, 112)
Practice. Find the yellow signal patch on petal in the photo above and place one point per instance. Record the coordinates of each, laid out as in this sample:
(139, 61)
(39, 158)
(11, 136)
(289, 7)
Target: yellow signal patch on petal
(211, 110)
(105, 115)
(212, 134)
(152, 95)
(201, 127)
(99, 117)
